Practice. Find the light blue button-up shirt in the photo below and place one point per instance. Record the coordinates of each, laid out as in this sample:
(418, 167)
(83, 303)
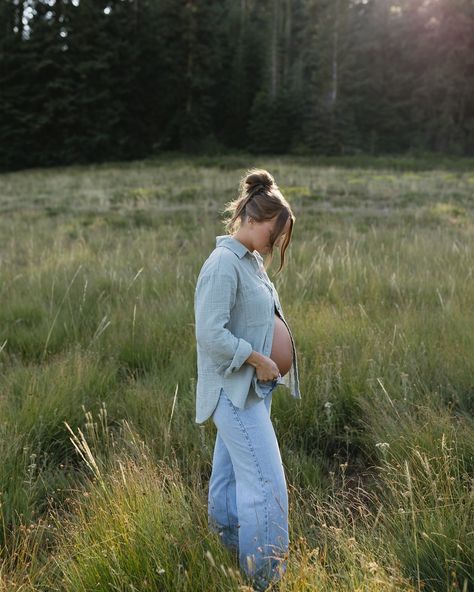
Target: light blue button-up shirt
(234, 305)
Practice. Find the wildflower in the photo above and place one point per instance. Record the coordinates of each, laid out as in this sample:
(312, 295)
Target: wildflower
(327, 409)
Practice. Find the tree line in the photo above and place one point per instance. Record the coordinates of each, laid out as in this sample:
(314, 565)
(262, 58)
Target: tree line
(93, 80)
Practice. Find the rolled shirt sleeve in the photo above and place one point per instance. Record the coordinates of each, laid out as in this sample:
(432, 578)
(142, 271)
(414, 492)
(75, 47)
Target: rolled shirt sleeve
(213, 300)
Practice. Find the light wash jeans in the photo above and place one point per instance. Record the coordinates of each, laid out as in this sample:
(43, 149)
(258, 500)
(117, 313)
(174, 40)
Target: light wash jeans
(248, 499)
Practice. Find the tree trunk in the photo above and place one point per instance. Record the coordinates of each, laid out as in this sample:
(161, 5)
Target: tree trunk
(274, 50)
(335, 47)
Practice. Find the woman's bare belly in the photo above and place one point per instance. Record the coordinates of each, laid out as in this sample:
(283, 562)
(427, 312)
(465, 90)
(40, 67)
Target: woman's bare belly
(282, 351)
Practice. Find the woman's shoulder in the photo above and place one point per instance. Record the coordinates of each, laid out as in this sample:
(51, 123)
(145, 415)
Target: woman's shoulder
(220, 261)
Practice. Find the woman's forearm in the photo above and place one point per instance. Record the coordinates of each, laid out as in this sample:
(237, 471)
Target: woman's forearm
(255, 358)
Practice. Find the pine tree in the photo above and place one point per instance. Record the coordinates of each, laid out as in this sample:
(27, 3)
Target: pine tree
(445, 87)
(16, 146)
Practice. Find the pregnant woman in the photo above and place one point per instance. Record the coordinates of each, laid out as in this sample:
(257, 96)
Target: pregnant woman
(244, 350)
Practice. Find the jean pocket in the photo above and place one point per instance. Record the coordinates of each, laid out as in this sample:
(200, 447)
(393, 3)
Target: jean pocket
(273, 383)
(267, 383)
(265, 387)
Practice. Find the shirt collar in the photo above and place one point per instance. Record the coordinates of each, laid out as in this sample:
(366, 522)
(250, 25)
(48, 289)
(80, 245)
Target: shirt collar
(226, 240)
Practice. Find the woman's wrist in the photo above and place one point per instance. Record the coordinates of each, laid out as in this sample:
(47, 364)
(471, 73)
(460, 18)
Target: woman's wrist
(255, 358)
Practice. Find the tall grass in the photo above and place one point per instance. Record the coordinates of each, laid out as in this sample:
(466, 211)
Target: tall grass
(103, 480)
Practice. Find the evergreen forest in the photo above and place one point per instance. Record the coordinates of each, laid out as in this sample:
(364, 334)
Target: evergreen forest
(98, 80)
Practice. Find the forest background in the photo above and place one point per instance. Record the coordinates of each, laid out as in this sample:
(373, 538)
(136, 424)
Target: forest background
(364, 113)
(97, 80)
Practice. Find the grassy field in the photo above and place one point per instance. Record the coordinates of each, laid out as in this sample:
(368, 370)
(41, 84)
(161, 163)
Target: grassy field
(103, 473)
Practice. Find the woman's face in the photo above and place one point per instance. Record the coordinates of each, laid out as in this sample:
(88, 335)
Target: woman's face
(261, 233)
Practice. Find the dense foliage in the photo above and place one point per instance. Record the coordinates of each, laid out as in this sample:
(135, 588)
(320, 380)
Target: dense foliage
(94, 80)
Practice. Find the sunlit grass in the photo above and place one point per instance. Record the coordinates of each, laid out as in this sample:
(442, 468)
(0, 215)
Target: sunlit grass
(97, 274)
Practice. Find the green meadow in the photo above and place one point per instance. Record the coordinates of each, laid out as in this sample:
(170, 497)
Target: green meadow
(104, 473)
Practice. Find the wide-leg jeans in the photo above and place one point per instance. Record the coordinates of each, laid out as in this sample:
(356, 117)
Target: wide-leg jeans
(248, 499)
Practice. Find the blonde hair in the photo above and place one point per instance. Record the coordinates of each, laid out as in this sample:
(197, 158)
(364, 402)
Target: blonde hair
(260, 198)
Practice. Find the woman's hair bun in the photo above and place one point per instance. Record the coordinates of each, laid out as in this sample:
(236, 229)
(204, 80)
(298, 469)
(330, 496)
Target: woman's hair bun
(258, 177)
